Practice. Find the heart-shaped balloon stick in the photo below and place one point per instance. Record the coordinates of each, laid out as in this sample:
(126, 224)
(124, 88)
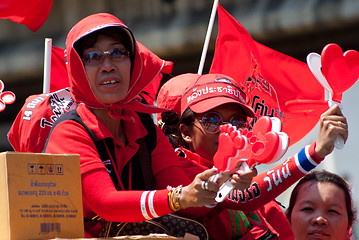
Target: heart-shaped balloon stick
(336, 72)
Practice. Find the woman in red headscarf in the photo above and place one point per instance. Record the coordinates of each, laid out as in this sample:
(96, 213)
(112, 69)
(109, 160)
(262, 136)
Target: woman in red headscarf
(107, 70)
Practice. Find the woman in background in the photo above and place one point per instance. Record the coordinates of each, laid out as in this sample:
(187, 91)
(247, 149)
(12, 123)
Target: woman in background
(321, 207)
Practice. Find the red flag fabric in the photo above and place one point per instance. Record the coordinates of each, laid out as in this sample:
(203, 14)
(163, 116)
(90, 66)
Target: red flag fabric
(269, 78)
(59, 78)
(149, 93)
(32, 13)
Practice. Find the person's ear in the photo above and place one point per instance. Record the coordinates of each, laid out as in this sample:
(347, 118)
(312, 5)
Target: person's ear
(186, 133)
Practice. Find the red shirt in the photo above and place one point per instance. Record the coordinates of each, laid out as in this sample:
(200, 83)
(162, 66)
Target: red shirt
(99, 193)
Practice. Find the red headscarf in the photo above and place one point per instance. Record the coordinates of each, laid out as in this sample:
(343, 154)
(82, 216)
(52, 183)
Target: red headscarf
(146, 66)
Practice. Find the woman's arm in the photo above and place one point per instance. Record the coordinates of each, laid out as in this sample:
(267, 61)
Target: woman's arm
(193, 195)
(101, 196)
(99, 193)
(270, 184)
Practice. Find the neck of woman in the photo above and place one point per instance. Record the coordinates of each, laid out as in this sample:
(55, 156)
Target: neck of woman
(115, 126)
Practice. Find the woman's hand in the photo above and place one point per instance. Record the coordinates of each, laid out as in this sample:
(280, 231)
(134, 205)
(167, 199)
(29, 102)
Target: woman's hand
(332, 124)
(242, 179)
(201, 191)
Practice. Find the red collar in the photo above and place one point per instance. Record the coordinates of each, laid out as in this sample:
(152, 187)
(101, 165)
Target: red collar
(133, 129)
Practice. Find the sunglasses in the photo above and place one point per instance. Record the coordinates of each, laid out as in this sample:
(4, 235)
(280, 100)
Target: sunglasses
(212, 120)
(97, 57)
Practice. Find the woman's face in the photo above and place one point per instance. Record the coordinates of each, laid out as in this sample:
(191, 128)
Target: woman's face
(109, 79)
(320, 212)
(204, 143)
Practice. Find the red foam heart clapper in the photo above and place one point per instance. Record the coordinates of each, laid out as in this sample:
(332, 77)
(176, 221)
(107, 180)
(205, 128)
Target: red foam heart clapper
(230, 142)
(263, 144)
(341, 70)
(260, 145)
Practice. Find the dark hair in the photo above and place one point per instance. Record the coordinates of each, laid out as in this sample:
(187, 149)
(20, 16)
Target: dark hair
(170, 126)
(324, 177)
(89, 40)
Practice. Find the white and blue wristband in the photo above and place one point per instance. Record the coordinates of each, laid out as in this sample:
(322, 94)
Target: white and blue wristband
(303, 160)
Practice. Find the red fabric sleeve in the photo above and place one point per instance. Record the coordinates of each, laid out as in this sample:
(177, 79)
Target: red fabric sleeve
(313, 154)
(270, 184)
(121, 206)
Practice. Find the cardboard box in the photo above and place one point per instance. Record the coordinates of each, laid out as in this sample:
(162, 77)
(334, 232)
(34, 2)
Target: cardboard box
(40, 196)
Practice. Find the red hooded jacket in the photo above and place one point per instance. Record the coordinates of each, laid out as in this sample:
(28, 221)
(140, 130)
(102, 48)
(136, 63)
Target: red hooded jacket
(100, 197)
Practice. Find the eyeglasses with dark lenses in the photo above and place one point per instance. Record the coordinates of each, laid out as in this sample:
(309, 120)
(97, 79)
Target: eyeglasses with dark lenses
(97, 57)
(212, 120)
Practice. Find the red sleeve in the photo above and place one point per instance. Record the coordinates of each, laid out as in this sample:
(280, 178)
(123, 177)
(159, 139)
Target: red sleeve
(101, 196)
(99, 193)
(270, 184)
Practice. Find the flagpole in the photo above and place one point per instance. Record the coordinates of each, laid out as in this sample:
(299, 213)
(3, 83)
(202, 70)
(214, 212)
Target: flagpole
(47, 65)
(208, 36)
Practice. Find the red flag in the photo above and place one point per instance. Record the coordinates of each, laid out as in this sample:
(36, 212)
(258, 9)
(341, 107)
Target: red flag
(149, 93)
(268, 77)
(59, 78)
(32, 13)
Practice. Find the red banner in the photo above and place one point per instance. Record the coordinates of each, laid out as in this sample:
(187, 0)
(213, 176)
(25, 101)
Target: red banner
(268, 77)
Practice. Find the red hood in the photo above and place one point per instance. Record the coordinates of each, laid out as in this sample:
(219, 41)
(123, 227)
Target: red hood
(145, 68)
